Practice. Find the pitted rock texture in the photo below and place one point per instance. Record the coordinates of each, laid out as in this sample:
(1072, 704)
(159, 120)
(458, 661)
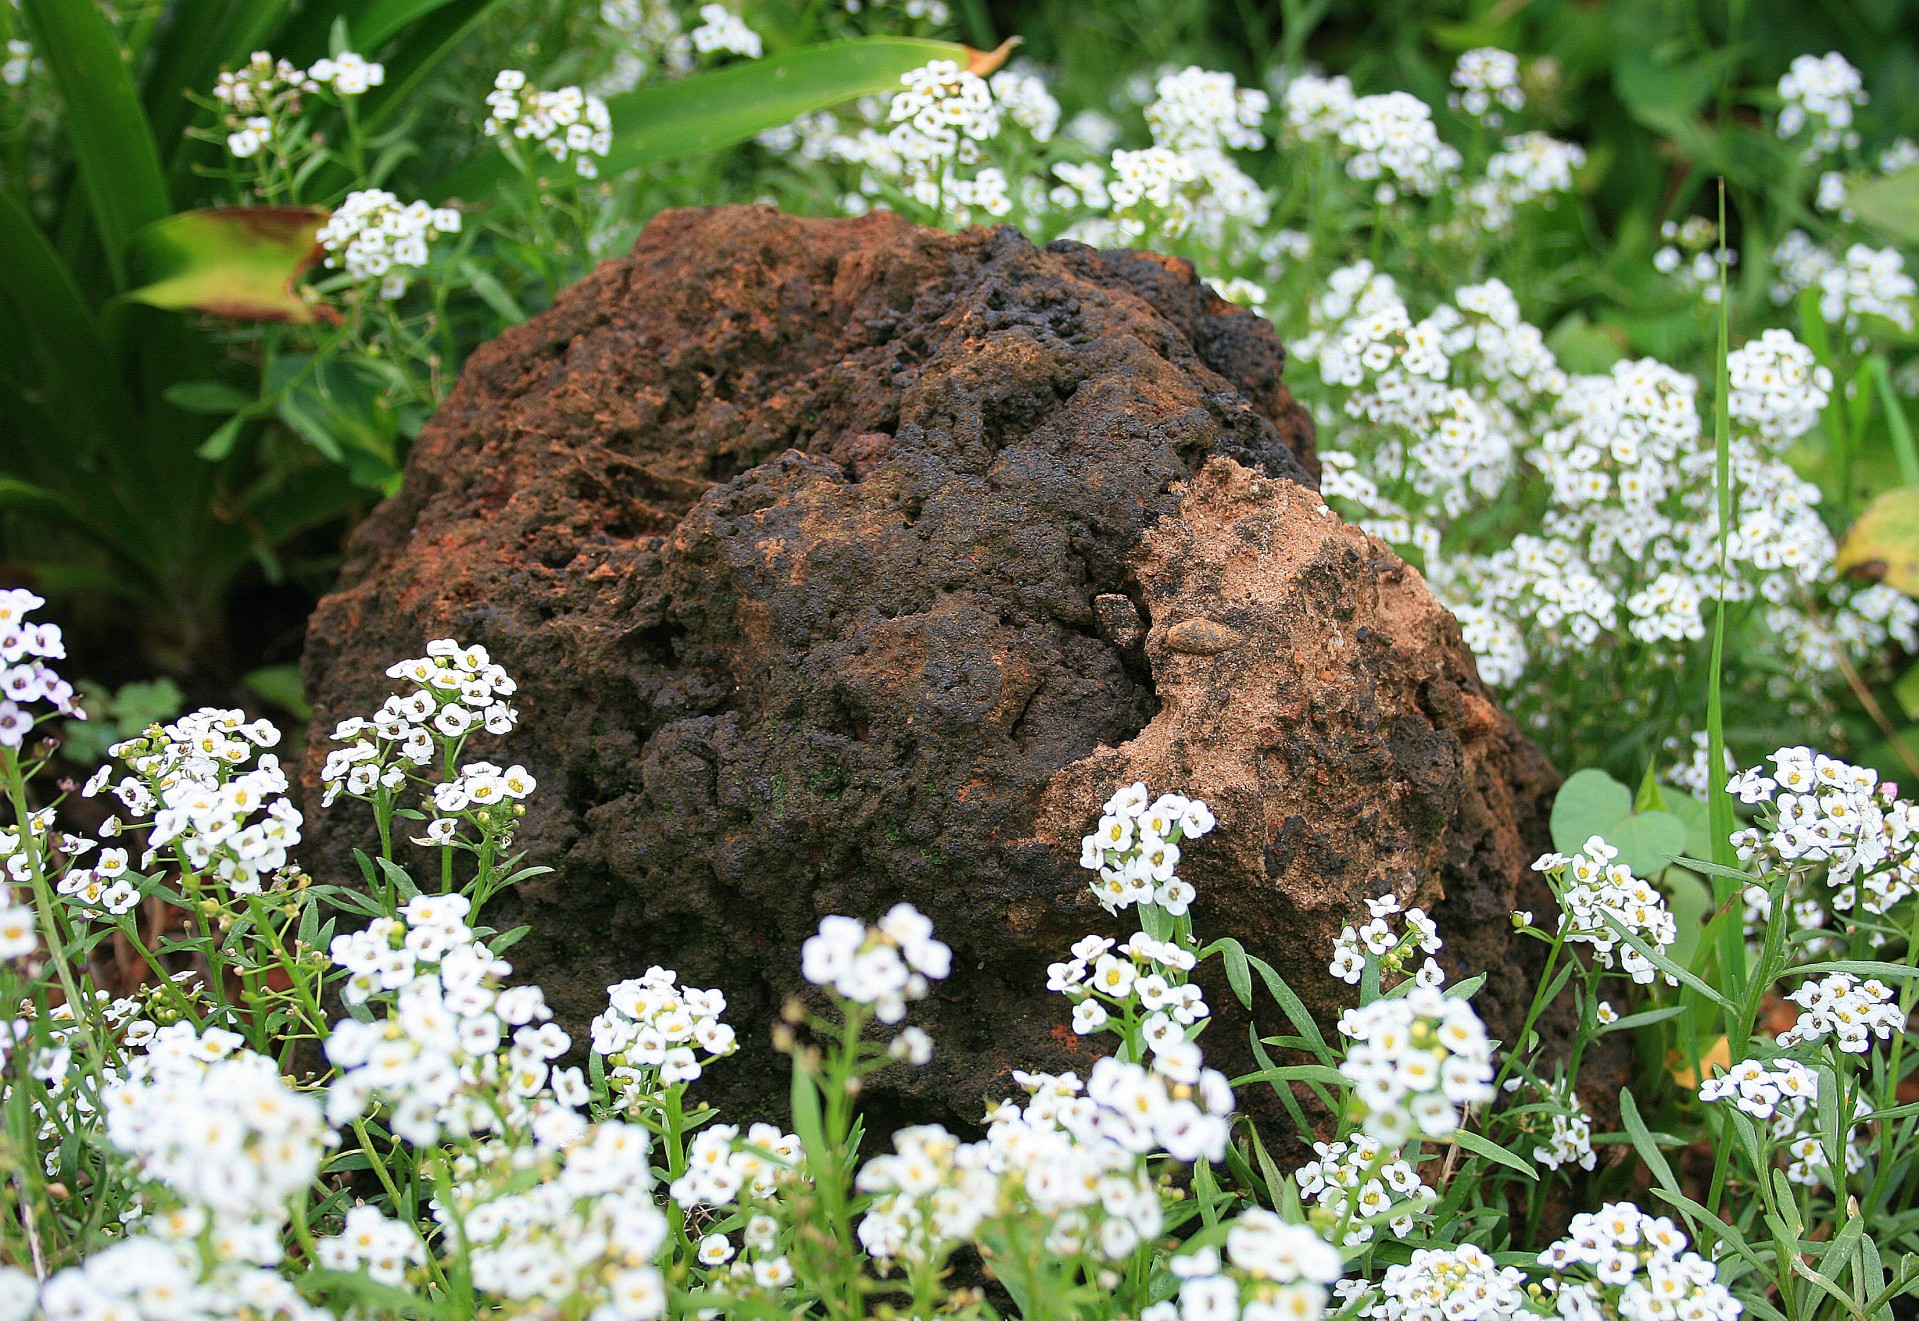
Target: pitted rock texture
(843, 562)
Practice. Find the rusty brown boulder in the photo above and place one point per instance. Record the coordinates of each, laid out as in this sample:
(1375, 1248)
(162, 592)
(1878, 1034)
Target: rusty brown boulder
(843, 562)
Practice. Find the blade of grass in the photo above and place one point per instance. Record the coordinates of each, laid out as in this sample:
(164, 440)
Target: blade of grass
(112, 141)
(1726, 892)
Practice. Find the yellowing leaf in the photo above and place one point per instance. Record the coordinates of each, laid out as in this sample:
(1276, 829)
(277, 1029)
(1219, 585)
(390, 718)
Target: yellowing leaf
(1884, 543)
(1718, 1057)
(238, 262)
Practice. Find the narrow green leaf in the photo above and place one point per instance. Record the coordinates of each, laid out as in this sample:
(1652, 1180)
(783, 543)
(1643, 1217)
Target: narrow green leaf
(1295, 1010)
(1321, 1073)
(1239, 974)
(1731, 942)
(213, 398)
(727, 106)
(1643, 1143)
(112, 143)
(1897, 424)
(1492, 1151)
(1666, 965)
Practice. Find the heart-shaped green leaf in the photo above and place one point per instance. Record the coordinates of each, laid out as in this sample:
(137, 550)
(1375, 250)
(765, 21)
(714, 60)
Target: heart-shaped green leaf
(1592, 803)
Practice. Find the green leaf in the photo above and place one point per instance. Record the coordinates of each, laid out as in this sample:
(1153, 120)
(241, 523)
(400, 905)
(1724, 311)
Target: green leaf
(1889, 205)
(112, 142)
(1592, 803)
(1239, 974)
(1906, 691)
(1883, 544)
(1642, 1142)
(1898, 425)
(280, 685)
(59, 323)
(1320, 1073)
(727, 106)
(235, 262)
(1491, 1150)
(214, 398)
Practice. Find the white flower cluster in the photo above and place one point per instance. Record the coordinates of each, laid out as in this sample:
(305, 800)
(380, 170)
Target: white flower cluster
(1850, 1011)
(722, 30)
(1448, 1284)
(1273, 1271)
(1533, 167)
(1640, 1269)
(721, 1165)
(370, 1243)
(567, 123)
(1414, 1059)
(1360, 1184)
(1821, 93)
(930, 1193)
(1027, 102)
(257, 101)
(1864, 282)
(1593, 888)
(1778, 386)
(1388, 140)
(347, 74)
(1555, 1119)
(147, 1278)
(372, 236)
(198, 806)
(647, 40)
(942, 114)
(441, 1058)
(652, 1036)
(14, 69)
(1076, 1154)
(1786, 1093)
(1820, 811)
(255, 97)
(884, 965)
(25, 646)
(216, 1124)
(1143, 981)
(1195, 109)
(1135, 848)
(456, 690)
(1488, 83)
(580, 1242)
(1393, 949)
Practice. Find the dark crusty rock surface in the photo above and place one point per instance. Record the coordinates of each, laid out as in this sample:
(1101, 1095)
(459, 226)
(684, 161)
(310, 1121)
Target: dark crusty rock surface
(843, 562)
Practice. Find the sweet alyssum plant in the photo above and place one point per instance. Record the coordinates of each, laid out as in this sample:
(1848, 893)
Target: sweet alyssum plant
(326, 1099)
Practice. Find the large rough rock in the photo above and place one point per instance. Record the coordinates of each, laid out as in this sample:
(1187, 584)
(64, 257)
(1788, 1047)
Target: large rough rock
(845, 562)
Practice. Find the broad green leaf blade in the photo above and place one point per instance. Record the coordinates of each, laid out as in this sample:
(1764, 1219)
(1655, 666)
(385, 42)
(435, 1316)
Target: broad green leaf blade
(728, 106)
(1884, 543)
(112, 143)
(49, 303)
(236, 262)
